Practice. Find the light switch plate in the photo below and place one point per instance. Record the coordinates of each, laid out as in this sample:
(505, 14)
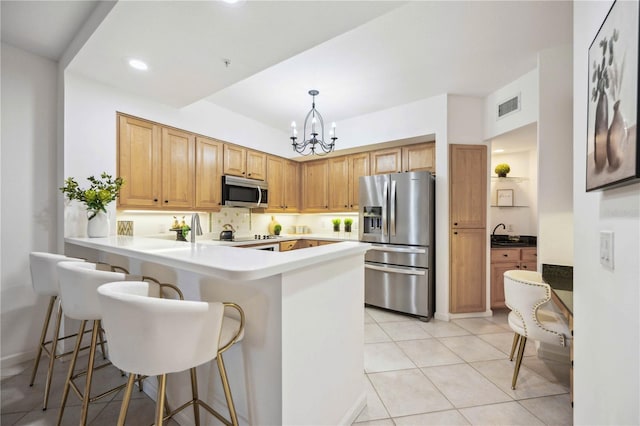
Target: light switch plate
(606, 249)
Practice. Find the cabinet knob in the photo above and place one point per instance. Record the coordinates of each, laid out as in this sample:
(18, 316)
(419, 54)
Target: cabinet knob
(455, 233)
(505, 255)
(166, 201)
(155, 200)
(219, 204)
(524, 266)
(518, 266)
(249, 174)
(346, 206)
(455, 223)
(242, 172)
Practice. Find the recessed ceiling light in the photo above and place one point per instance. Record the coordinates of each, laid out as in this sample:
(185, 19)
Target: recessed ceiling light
(233, 2)
(138, 64)
(497, 151)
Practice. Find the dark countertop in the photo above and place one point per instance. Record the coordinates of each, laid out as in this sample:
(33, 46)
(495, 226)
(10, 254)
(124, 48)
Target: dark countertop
(507, 241)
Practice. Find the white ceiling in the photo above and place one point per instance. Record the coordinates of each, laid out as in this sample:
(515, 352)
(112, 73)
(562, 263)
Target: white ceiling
(362, 56)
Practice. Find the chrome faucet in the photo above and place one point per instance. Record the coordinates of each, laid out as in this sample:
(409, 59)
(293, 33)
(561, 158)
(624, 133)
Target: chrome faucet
(493, 234)
(196, 229)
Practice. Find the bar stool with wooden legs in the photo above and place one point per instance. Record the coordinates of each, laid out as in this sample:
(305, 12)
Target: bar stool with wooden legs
(78, 293)
(44, 279)
(154, 337)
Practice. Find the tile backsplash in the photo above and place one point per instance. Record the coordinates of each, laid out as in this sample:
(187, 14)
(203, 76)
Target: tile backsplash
(244, 221)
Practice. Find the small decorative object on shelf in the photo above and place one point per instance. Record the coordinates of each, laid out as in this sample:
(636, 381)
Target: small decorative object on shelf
(502, 169)
(100, 193)
(336, 224)
(347, 224)
(276, 229)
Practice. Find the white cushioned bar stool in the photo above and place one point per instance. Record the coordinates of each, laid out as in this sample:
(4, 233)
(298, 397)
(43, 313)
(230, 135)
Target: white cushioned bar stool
(170, 336)
(79, 282)
(532, 315)
(44, 279)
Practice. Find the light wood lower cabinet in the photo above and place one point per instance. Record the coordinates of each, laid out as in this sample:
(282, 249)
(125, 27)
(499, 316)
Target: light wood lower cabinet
(508, 259)
(300, 244)
(467, 273)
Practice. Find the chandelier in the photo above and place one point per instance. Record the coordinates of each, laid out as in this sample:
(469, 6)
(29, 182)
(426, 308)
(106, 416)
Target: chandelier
(311, 143)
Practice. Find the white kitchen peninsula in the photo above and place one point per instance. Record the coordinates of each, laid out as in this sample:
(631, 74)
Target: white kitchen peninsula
(302, 357)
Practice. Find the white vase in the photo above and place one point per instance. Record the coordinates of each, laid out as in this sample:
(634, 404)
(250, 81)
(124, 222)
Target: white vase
(98, 226)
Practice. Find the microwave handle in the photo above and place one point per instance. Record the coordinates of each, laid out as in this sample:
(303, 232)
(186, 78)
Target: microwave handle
(259, 196)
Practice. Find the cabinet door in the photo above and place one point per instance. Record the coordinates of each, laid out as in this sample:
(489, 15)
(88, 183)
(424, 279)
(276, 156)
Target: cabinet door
(468, 186)
(386, 161)
(256, 165)
(300, 244)
(208, 173)
(275, 173)
(419, 157)
(291, 186)
(530, 254)
(139, 155)
(468, 270)
(235, 160)
(358, 166)
(497, 282)
(339, 184)
(287, 245)
(178, 168)
(529, 266)
(315, 186)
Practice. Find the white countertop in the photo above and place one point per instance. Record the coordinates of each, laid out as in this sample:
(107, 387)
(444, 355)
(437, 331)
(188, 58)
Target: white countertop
(223, 258)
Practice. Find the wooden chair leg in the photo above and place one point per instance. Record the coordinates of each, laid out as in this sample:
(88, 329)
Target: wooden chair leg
(516, 337)
(126, 398)
(162, 389)
(227, 390)
(87, 388)
(523, 342)
(43, 336)
(72, 366)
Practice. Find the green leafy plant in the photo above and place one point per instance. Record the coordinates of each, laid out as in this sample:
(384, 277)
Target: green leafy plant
(277, 228)
(336, 222)
(502, 169)
(101, 192)
(348, 221)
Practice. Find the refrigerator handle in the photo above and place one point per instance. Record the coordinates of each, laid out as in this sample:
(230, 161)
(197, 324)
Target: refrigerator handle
(393, 270)
(393, 208)
(385, 191)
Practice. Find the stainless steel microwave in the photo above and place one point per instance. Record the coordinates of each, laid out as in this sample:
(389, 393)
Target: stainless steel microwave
(242, 192)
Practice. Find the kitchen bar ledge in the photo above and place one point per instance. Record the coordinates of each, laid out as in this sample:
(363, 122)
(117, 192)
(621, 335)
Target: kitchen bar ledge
(302, 358)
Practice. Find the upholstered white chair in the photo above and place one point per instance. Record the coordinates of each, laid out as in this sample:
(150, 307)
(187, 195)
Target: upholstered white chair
(532, 316)
(44, 279)
(153, 337)
(79, 282)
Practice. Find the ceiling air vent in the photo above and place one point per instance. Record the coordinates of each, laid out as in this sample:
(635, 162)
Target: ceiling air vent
(509, 106)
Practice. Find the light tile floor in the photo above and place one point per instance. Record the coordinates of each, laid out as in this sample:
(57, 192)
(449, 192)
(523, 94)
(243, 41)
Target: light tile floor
(435, 373)
(456, 373)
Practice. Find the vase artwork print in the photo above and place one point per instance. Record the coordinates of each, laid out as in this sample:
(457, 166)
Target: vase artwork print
(613, 157)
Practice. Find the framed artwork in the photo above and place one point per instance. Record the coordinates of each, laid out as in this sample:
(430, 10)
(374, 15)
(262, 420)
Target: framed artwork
(613, 157)
(504, 197)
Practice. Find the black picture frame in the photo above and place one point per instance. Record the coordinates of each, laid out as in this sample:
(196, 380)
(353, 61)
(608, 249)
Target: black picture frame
(613, 155)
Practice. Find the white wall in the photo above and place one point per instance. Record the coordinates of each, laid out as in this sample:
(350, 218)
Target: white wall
(607, 323)
(29, 192)
(555, 154)
(521, 219)
(527, 87)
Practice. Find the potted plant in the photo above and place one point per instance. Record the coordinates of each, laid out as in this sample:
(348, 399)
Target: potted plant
(96, 197)
(277, 229)
(347, 224)
(336, 224)
(502, 169)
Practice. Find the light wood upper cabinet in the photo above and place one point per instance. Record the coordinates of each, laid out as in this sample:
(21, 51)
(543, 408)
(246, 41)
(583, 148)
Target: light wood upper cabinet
(338, 183)
(256, 165)
(139, 162)
(178, 168)
(315, 186)
(208, 185)
(358, 166)
(291, 186)
(468, 186)
(420, 157)
(283, 179)
(243, 162)
(386, 161)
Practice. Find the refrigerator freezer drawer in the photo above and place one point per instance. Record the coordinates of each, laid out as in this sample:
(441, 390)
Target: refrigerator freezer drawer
(415, 256)
(399, 288)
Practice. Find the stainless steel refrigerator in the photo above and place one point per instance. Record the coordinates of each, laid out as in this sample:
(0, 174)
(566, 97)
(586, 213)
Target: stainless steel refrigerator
(397, 216)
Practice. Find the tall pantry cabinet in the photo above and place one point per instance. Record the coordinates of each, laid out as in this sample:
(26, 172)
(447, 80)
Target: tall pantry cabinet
(467, 240)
